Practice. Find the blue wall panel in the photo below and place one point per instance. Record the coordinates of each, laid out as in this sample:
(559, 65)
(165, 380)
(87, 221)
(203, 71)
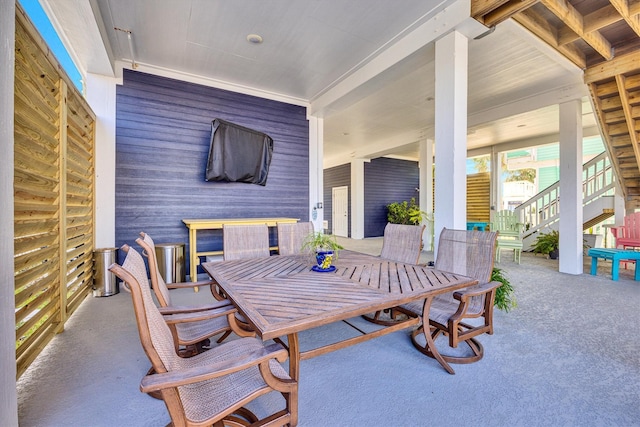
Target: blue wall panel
(387, 181)
(339, 176)
(163, 129)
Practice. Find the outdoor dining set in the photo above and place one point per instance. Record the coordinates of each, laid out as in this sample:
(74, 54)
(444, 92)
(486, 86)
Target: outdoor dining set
(263, 301)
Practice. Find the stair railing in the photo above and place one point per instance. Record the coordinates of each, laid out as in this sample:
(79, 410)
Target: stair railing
(542, 210)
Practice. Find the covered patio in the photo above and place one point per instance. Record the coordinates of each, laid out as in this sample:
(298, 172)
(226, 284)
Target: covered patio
(561, 358)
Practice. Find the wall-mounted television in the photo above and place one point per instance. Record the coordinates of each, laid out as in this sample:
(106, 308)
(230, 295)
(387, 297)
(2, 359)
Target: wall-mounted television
(238, 154)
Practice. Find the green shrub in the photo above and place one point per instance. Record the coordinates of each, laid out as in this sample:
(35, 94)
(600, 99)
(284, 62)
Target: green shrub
(505, 298)
(408, 213)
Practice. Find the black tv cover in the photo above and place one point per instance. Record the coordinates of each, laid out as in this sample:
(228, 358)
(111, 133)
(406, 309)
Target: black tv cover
(238, 154)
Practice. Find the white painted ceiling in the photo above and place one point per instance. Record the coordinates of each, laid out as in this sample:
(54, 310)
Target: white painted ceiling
(312, 46)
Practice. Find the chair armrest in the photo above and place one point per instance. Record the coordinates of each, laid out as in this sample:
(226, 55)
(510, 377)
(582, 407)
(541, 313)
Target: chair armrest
(156, 382)
(476, 291)
(172, 319)
(191, 284)
(174, 309)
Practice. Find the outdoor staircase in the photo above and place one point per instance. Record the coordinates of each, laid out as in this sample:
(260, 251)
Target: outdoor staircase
(541, 212)
(616, 101)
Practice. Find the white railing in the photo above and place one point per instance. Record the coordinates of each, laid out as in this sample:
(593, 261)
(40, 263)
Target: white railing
(542, 210)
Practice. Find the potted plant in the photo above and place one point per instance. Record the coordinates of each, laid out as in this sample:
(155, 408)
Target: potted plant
(505, 298)
(547, 244)
(326, 249)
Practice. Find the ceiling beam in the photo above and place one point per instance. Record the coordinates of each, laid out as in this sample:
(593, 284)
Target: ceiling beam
(594, 21)
(574, 20)
(548, 33)
(351, 88)
(623, 9)
(618, 65)
(506, 11)
(479, 8)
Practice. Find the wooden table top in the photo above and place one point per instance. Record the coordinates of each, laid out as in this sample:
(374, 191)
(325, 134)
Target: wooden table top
(218, 223)
(280, 295)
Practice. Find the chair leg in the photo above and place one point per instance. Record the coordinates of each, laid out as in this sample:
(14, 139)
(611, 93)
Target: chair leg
(375, 318)
(429, 349)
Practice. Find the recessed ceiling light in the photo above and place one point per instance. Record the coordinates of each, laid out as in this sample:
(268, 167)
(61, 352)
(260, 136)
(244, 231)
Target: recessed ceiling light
(254, 39)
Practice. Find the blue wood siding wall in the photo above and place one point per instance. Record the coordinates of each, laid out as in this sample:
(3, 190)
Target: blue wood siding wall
(163, 129)
(338, 176)
(387, 181)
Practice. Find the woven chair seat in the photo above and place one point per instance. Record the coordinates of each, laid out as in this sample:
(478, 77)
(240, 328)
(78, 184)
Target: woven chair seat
(445, 306)
(205, 399)
(193, 332)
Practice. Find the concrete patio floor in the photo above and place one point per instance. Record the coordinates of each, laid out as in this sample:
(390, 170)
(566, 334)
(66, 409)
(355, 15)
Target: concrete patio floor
(568, 355)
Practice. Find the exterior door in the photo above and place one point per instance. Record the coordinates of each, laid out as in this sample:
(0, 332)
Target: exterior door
(340, 211)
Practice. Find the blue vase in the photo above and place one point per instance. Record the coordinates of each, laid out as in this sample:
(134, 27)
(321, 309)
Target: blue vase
(322, 261)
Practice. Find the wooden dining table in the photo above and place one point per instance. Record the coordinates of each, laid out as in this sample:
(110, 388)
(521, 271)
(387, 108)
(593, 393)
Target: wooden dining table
(281, 296)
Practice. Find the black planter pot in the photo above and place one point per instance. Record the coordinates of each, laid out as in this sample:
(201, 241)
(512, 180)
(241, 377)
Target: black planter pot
(553, 254)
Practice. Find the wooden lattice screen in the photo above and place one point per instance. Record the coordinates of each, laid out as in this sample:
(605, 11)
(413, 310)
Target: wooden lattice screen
(53, 194)
(478, 197)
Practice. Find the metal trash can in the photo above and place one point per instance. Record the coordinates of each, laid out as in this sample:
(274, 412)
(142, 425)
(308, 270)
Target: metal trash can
(105, 283)
(170, 258)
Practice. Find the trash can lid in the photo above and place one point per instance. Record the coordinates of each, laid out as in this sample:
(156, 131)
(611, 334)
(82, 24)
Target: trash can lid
(105, 249)
(163, 245)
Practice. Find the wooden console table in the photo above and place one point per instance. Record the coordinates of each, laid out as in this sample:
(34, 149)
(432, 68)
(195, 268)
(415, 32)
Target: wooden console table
(216, 224)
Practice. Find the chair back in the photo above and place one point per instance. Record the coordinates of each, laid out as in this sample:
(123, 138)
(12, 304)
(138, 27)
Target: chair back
(155, 335)
(157, 282)
(631, 228)
(402, 243)
(291, 237)
(469, 253)
(245, 241)
(506, 223)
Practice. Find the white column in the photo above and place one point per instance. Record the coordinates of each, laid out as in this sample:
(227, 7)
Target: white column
(357, 198)
(451, 132)
(316, 172)
(101, 95)
(426, 190)
(495, 182)
(571, 187)
(9, 400)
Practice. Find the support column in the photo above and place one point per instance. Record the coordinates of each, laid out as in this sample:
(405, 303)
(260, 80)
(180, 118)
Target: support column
(451, 132)
(495, 182)
(9, 401)
(316, 172)
(570, 209)
(101, 95)
(426, 190)
(357, 198)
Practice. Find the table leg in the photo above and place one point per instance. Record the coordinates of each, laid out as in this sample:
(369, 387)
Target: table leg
(193, 265)
(294, 356)
(615, 268)
(594, 265)
(427, 334)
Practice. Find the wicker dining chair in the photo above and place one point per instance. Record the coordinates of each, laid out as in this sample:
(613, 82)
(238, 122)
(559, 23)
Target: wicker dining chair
(193, 336)
(245, 241)
(401, 243)
(241, 242)
(291, 237)
(468, 253)
(210, 388)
